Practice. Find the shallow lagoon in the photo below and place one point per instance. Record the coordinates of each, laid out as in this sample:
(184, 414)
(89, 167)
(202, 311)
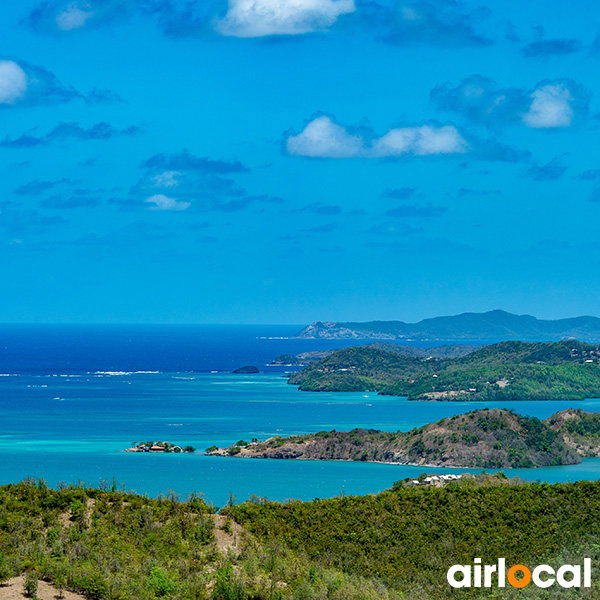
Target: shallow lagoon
(74, 427)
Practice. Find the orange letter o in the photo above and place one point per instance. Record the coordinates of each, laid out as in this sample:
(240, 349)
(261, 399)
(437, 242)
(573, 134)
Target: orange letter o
(514, 581)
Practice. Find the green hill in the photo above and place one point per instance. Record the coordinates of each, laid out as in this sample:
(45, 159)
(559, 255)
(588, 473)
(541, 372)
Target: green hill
(484, 438)
(397, 544)
(567, 370)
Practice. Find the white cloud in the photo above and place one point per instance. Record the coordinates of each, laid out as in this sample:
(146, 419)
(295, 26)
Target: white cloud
(74, 16)
(162, 202)
(257, 18)
(421, 141)
(550, 107)
(325, 139)
(13, 82)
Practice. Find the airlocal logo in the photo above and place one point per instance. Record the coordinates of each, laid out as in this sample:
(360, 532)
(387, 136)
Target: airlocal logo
(543, 576)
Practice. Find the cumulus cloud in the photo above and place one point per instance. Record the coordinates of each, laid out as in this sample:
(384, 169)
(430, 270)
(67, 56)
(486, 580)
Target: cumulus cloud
(258, 18)
(13, 82)
(323, 138)
(551, 106)
(551, 103)
(420, 141)
(162, 202)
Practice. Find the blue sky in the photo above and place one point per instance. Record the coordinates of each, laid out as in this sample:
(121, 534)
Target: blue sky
(283, 161)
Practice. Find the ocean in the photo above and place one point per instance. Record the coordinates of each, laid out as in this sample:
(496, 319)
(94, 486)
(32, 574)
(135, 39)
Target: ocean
(72, 398)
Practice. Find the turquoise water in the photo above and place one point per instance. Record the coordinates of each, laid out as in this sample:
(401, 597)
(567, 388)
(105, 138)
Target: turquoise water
(74, 427)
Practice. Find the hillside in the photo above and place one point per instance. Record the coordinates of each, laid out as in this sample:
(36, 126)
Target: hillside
(492, 439)
(397, 544)
(409, 536)
(492, 325)
(579, 429)
(567, 370)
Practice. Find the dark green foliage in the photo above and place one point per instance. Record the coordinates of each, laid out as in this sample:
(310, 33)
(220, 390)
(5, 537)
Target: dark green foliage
(568, 370)
(409, 536)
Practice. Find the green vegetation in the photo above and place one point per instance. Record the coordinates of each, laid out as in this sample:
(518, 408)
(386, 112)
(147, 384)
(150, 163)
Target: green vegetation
(113, 545)
(389, 546)
(568, 370)
(409, 536)
(486, 438)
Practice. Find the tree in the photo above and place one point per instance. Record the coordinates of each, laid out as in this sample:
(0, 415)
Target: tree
(30, 584)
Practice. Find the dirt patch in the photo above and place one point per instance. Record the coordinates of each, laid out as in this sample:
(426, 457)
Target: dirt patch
(227, 533)
(13, 590)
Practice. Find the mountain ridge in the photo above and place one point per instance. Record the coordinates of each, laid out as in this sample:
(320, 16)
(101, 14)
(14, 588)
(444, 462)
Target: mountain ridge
(495, 324)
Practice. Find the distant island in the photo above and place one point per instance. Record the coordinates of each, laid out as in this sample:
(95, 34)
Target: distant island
(247, 370)
(492, 325)
(567, 370)
(490, 439)
(159, 447)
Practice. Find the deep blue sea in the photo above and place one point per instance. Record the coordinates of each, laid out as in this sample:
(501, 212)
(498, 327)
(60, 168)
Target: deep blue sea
(73, 397)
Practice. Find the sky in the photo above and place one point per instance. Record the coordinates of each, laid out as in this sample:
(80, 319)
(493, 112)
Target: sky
(286, 161)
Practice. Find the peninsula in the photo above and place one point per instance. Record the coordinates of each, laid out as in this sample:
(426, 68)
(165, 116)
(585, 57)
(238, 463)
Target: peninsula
(490, 439)
(492, 325)
(567, 370)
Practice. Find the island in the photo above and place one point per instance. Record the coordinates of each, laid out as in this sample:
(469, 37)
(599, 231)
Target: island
(491, 325)
(567, 370)
(489, 438)
(247, 370)
(159, 447)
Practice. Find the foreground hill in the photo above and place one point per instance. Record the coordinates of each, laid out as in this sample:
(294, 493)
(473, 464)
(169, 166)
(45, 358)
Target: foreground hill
(394, 545)
(484, 438)
(567, 370)
(492, 325)
(408, 537)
